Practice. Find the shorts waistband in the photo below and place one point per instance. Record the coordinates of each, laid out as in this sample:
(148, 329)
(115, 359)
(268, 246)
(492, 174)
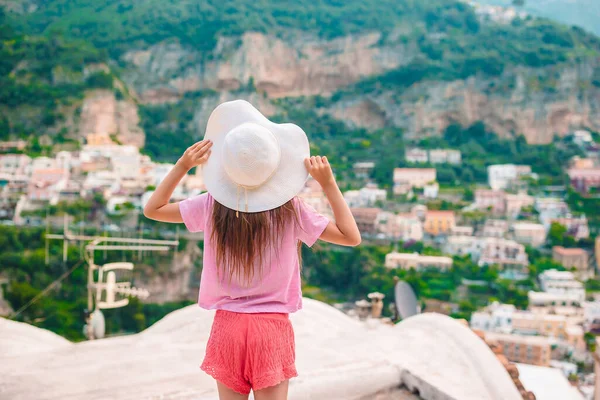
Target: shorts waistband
(235, 314)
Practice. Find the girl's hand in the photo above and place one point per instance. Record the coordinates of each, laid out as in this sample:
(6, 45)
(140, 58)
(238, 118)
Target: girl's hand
(318, 167)
(195, 155)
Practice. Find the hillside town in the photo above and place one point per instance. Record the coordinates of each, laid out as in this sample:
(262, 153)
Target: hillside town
(498, 225)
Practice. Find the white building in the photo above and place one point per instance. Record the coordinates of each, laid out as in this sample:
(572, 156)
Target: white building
(416, 155)
(444, 156)
(505, 253)
(367, 196)
(514, 203)
(464, 230)
(591, 312)
(414, 260)
(363, 169)
(505, 175)
(403, 227)
(408, 178)
(562, 282)
(14, 164)
(529, 233)
(494, 318)
(546, 299)
(495, 228)
(431, 190)
(582, 138)
(460, 245)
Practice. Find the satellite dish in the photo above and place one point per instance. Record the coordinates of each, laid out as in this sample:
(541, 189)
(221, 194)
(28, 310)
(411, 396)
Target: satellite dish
(406, 301)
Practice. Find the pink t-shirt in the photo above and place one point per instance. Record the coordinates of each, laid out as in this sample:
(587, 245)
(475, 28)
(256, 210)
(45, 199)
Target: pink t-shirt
(279, 289)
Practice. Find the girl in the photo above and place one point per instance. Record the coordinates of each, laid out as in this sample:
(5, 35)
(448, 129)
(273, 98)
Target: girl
(251, 271)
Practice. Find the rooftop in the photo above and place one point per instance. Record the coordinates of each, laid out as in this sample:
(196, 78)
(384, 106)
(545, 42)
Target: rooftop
(337, 358)
(569, 252)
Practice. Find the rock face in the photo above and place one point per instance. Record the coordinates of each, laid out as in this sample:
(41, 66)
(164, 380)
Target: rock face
(178, 282)
(299, 67)
(515, 103)
(538, 103)
(101, 112)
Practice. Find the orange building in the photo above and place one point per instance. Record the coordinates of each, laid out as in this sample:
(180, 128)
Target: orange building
(534, 350)
(439, 222)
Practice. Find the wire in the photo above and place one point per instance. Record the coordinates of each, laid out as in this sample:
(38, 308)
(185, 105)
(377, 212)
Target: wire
(48, 288)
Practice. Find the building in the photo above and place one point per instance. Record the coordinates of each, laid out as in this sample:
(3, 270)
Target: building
(534, 350)
(445, 156)
(529, 233)
(403, 227)
(576, 226)
(416, 156)
(548, 383)
(576, 338)
(494, 200)
(414, 260)
(46, 184)
(550, 300)
(12, 145)
(572, 258)
(439, 222)
(591, 313)
(581, 163)
(460, 245)
(584, 179)
(496, 317)
(462, 230)
(367, 196)
(540, 324)
(506, 175)
(495, 228)
(366, 219)
(408, 178)
(550, 207)
(562, 282)
(507, 254)
(582, 138)
(14, 164)
(514, 203)
(363, 169)
(431, 190)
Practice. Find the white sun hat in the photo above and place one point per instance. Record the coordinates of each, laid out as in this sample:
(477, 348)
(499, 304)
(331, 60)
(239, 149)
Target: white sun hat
(255, 165)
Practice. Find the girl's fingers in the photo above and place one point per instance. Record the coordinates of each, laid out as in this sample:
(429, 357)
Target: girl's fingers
(325, 160)
(205, 156)
(201, 149)
(307, 163)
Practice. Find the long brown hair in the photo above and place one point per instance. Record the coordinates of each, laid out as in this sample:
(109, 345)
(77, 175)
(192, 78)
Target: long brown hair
(242, 241)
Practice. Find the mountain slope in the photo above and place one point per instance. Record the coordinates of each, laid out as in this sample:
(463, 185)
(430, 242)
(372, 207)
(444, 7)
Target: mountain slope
(418, 66)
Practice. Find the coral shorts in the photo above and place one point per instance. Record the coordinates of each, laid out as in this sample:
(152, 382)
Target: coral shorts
(250, 351)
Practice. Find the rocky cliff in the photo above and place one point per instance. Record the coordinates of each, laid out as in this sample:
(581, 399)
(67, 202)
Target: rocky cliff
(536, 102)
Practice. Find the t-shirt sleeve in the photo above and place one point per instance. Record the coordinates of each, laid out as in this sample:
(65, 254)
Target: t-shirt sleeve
(311, 224)
(195, 211)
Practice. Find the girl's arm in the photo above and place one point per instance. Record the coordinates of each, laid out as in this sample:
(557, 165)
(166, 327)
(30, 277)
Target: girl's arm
(344, 230)
(158, 207)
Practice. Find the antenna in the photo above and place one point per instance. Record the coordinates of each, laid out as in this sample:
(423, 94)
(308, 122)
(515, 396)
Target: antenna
(102, 293)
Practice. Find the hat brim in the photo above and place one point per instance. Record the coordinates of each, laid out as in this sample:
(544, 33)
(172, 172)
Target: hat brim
(286, 182)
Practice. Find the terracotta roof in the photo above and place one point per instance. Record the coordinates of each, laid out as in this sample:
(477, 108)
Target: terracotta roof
(569, 252)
